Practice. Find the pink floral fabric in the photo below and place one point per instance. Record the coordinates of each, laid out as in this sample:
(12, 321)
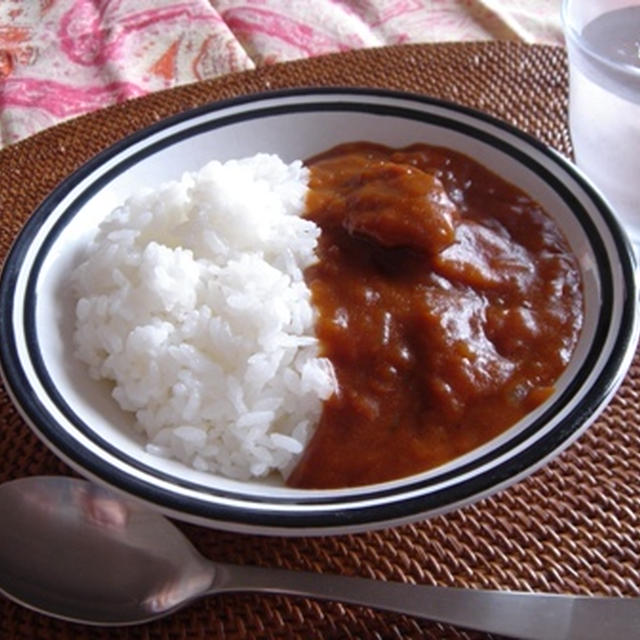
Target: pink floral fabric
(63, 58)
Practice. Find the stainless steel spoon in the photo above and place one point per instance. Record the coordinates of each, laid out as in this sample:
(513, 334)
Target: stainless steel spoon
(75, 551)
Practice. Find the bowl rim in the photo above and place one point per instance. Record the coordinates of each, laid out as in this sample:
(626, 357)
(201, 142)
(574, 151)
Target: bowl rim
(324, 511)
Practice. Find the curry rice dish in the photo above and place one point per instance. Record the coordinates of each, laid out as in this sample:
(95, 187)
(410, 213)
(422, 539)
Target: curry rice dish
(441, 304)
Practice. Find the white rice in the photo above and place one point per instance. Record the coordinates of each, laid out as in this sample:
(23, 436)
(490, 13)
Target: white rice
(192, 301)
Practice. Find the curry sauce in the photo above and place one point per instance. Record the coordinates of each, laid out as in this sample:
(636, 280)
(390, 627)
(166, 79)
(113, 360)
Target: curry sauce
(448, 302)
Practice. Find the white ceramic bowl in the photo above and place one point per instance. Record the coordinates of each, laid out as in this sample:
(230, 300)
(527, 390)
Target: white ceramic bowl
(78, 419)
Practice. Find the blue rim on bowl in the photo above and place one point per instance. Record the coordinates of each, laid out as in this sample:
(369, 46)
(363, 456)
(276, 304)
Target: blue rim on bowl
(300, 123)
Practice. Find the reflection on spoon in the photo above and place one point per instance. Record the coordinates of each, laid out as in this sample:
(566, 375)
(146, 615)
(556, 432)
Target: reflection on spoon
(75, 551)
(66, 542)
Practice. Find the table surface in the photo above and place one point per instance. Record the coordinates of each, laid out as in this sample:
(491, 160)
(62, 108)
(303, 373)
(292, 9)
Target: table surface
(570, 527)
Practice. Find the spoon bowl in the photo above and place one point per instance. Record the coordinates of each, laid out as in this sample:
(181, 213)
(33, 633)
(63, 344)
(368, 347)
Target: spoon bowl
(76, 551)
(103, 559)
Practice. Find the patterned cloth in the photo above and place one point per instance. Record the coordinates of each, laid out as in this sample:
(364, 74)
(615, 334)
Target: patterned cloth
(63, 58)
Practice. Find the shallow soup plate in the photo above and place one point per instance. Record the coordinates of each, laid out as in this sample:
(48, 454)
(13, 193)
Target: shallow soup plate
(77, 417)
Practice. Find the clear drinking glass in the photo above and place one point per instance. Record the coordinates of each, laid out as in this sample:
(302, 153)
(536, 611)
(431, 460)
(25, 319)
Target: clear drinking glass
(603, 43)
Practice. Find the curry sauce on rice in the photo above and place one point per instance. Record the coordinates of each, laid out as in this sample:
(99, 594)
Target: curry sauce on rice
(366, 315)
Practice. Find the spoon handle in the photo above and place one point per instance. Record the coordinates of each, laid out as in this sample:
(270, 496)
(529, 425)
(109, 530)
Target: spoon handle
(528, 616)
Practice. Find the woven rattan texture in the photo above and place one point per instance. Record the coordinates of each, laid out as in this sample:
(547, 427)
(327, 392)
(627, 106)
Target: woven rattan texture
(571, 527)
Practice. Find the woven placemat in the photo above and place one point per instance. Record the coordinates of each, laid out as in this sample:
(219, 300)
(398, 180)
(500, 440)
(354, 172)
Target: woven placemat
(571, 527)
